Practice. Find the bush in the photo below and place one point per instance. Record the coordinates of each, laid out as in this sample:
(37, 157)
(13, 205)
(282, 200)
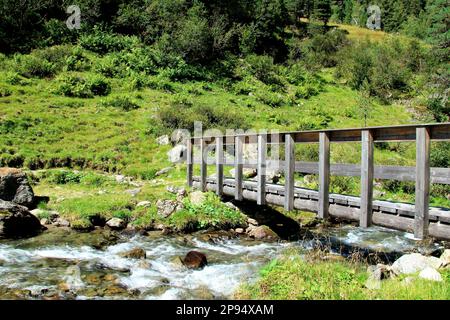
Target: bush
(262, 68)
(102, 42)
(31, 66)
(14, 78)
(124, 103)
(77, 61)
(76, 86)
(64, 177)
(5, 92)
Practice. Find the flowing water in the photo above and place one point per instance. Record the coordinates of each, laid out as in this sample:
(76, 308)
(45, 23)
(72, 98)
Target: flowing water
(68, 265)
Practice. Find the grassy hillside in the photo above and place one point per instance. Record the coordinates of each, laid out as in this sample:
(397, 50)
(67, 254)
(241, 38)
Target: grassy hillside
(69, 107)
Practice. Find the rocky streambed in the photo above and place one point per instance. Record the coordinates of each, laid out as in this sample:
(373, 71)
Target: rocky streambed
(63, 264)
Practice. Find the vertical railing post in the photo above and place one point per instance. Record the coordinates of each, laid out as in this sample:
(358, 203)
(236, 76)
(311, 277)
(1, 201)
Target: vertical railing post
(203, 164)
(238, 167)
(324, 174)
(421, 220)
(289, 169)
(189, 162)
(219, 165)
(367, 171)
(262, 151)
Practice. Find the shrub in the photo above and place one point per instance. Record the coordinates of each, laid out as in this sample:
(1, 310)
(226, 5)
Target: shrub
(102, 42)
(31, 66)
(124, 103)
(77, 61)
(262, 68)
(5, 92)
(14, 78)
(64, 177)
(76, 86)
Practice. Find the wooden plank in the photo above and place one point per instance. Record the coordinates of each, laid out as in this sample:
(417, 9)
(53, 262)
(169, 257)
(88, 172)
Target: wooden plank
(219, 166)
(367, 170)
(422, 183)
(289, 171)
(203, 165)
(189, 163)
(262, 151)
(238, 166)
(324, 175)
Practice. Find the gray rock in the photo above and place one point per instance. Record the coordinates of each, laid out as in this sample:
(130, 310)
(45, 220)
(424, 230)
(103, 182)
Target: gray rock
(116, 224)
(180, 136)
(144, 204)
(414, 262)
(252, 221)
(133, 192)
(197, 198)
(14, 187)
(239, 230)
(60, 222)
(430, 274)
(120, 178)
(168, 207)
(231, 206)
(163, 140)
(163, 171)
(273, 176)
(177, 154)
(16, 221)
(445, 258)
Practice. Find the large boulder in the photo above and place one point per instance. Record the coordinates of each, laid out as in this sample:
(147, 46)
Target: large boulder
(195, 260)
(14, 187)
(415, 262)
(445, 257)
(177, 154)
(16, 221)
(430, 274)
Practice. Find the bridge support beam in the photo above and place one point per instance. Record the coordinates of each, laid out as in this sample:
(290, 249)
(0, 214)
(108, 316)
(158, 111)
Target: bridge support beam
(238, 167)
(189, 163)
(421, 220)
(262, 150)
(289, 171)
(324, 175)
(219, 165)
(367, 170)
(203, 164)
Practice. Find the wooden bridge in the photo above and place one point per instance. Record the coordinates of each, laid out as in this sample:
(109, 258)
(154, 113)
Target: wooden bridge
(418, 217)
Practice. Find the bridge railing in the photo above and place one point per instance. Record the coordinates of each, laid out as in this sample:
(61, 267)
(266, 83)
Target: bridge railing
(422, 174)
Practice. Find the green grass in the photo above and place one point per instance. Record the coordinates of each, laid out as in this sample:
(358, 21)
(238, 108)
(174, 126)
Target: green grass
(295, 277)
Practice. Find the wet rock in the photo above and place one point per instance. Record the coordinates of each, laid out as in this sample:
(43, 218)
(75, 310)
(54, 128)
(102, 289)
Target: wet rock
(136, 253)
(143, 264)
(163, 171)
(195, 260)
(16, 221)
(167, 207)
(252, 222)
(430, 274)
(262, 232)
(248, 173)
(116, 224)
(133, 192)
(445, 258)
(414, 262)
(144, 204)
(115, 290)
(197, 198)
(110, 277)
(177, 154)
(14, 187)
(163, 140)
(60, 222)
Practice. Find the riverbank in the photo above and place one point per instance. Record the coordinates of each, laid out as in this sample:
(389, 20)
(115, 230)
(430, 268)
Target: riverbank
(314, 276)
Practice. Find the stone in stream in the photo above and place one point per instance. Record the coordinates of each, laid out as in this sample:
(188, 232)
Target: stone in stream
(136, 253)
(116, 224)
(414, 262)
(14, 187)
(195, 260)
(60, 222)
(430, 274)
(16, 221)
(261, 232)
